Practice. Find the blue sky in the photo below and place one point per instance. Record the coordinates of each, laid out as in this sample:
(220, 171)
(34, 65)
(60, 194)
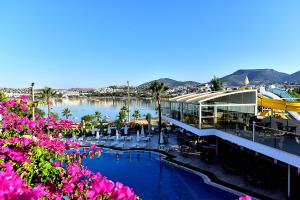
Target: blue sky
(69, 43)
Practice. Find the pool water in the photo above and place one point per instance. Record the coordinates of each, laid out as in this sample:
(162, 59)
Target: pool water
(152, 178)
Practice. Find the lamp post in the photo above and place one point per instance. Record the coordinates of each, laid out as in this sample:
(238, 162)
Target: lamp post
(33, 105)
(128, 101)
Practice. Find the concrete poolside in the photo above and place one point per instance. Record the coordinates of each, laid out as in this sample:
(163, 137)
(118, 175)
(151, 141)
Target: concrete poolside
(194, 161)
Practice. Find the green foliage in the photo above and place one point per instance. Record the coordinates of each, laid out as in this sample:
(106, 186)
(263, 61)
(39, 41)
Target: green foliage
(88, 118)
(2, 96)
(55, 115)
(295, 93)
(136, 114)
(40, 166)
(98, 115)
(157, 89)
(122, 115)
(217, 84)
(40, 112)
(124, 108)
(67, 113)
(148, 118)
(58, 95)
(47, 94)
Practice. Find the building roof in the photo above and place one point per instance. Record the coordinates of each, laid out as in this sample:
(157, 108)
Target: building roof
(202, 97)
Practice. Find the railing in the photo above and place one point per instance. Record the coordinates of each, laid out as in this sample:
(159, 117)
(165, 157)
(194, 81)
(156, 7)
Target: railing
(279, 139)
(285, 139)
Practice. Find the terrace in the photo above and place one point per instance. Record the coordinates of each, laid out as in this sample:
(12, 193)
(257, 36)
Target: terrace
(231, 116)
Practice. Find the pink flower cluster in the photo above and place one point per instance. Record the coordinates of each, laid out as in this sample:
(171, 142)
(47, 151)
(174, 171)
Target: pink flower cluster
(245, 198)
(36, 163)
(13, 187)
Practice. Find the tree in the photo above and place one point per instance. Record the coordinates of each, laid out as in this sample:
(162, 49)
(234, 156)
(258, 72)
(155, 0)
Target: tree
(124, 108)
(88, 118)
(2, 96)
(158, 88)
(217, 84)
(148, 118)
(47, 94)
(67, 113)
(40, 112)
(136, 115)
(122, 115)
(55, 115)
(98, 115)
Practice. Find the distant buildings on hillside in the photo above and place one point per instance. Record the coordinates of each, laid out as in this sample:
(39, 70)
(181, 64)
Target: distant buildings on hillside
(121, 91)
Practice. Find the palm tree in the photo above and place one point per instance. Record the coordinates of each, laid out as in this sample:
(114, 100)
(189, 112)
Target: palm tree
(136, 115)
(47, 94)
(217, 84)
(67, 113)
(98, 115)
(158, 88)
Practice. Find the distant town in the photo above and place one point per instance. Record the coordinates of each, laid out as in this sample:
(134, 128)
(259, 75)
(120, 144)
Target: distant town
(257, 78)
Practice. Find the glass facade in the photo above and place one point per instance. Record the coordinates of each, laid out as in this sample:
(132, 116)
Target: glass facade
(225, 108)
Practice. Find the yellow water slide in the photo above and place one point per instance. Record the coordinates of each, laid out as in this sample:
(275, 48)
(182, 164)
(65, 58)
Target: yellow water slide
(278, 104)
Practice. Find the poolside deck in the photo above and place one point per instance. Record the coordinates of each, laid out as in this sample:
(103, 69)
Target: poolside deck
(192, 160)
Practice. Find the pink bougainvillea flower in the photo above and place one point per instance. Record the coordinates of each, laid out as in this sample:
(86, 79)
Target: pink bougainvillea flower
(26, 144)
(245, 197)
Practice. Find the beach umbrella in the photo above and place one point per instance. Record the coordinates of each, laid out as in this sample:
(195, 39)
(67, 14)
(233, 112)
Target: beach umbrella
(117, 135)
(107, 117)
(137, 135)
(97, 135)
(142, 131)
(161, 140)
(101, 128)
(108, 130)
(125, 130)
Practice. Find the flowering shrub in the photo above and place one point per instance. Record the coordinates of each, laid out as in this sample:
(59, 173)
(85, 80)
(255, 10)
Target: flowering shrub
(36, 164)
(245, 198)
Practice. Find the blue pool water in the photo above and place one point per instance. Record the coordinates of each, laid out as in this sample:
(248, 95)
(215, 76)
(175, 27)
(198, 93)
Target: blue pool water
(152, 178)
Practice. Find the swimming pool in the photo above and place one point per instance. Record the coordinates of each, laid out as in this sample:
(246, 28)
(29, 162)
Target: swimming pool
(153, 178)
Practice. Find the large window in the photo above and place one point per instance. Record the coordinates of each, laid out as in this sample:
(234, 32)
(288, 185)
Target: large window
(239, 98)
(234, 107)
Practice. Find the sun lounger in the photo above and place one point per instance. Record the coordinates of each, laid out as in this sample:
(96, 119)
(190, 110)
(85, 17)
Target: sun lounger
(128, 138)
(114, 144)
(122, 138)
(104, 138)
(112, 138)
(146, 139)
(121, 145)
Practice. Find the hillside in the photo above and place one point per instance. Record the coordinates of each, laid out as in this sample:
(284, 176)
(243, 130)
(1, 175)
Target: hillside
(295, 77)
(256, 76)
(170, 83)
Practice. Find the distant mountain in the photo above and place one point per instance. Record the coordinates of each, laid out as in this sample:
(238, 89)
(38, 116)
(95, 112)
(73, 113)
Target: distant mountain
(256, 76)
(295, 77)
(170, 83)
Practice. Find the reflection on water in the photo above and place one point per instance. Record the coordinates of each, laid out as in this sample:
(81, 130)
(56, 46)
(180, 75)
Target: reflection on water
(107, 106)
